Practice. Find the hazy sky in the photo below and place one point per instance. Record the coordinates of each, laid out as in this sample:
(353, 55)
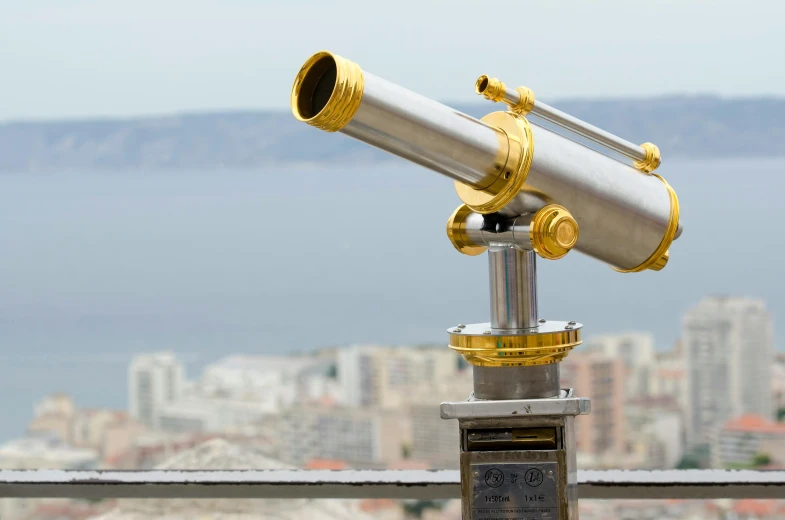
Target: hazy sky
(61, 58)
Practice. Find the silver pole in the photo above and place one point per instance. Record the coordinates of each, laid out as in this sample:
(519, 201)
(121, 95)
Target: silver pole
(513, 284)
(513, 281)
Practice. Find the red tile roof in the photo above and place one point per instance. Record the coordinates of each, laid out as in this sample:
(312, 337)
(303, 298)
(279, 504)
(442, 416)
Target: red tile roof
(326, 464)
(754, 424)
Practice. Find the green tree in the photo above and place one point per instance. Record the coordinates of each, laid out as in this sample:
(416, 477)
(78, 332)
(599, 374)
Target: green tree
(688, 461)
(415, 508)
(761, 459)
(406, 451)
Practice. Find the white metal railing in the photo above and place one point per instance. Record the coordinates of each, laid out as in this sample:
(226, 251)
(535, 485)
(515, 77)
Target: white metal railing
(400, 484)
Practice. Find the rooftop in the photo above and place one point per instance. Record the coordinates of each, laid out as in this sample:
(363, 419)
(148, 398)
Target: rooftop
(46, 447)
(754, 424)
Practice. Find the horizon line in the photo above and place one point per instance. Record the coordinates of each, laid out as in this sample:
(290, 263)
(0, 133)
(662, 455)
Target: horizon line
(249, 110)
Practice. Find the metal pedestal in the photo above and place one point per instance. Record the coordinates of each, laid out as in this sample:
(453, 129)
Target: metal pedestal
(518, 457)
(517, 452)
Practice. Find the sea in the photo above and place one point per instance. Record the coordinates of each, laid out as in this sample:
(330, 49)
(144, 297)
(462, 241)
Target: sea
(98, 266)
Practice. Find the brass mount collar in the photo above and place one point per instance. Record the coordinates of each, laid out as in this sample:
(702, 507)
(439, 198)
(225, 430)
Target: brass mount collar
(516, 152)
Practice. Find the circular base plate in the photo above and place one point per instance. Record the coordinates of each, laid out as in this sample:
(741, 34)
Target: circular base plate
(549, 343)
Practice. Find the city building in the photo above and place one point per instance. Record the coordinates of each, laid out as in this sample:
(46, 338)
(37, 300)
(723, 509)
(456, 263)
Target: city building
(236, 393)
(435, 440)
(41, 451)
(108, 432)
(778, 384)
(54, 414)
(362, 437)
(45, 452)
(273, 382)
(198, 414)
(655, 430)
(153, 381)
(636, 350)
(382, 376)
(600, 378)
(729, 353)
(741, 440)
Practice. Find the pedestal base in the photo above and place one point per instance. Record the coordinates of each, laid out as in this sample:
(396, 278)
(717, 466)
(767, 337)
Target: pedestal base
(518, 457)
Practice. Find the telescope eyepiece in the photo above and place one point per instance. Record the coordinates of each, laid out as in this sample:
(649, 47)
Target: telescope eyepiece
(327, 91)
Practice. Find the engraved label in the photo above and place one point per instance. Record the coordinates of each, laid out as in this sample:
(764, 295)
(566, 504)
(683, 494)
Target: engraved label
(515, 491)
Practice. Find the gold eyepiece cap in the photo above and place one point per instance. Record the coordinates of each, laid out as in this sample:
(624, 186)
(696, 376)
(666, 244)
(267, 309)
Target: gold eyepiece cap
(553, 232)
(327, 91)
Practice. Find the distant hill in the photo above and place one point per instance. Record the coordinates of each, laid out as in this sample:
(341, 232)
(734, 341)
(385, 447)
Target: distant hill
(699, 126)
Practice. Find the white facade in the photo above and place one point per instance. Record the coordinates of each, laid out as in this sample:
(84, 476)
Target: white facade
(153, 381)
(273, 382)
(239, 391)
(669, 377)
(383, 376)
(636, 350)
(367, 437)
(658, 423)
(45, 452)
(729, 353)
(197, 414)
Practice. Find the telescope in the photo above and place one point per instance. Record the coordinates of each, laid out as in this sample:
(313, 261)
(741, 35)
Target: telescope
(533, 181)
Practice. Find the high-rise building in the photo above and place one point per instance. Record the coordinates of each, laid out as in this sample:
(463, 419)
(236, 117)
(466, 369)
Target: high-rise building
(153, 381)
(778, 382)
(729, 354)
(600, 378)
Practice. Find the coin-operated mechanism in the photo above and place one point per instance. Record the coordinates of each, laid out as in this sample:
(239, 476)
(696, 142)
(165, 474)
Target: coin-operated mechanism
(527, 191)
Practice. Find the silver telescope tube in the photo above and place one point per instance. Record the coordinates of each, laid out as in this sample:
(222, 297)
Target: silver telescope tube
(502, 163)
(333, 94)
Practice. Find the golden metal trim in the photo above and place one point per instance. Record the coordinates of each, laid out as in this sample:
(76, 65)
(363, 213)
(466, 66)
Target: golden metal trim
(652, 159)
(526, 104)
(660, 256)
(519, 156)
(516, 350)
(491, 89)
(344, 100)
(456, 232)
(553, 232)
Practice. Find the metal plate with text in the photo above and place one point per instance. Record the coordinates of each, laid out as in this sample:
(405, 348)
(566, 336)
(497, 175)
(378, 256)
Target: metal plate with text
(517, 491)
